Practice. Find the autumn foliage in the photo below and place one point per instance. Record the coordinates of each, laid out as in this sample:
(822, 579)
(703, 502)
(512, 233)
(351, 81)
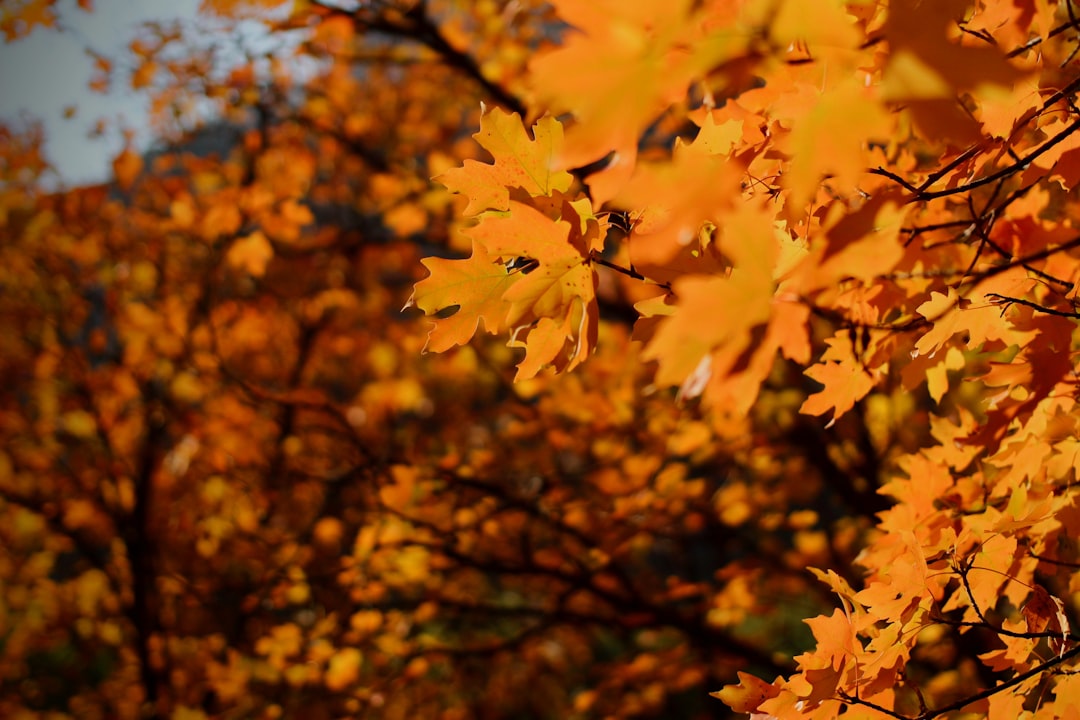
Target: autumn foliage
(737, 358)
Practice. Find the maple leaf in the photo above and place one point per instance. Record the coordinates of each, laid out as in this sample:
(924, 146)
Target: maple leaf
(633, 66)
(474, 286)
(938, 66)
(860, 245)
(1000, 112)
(845, 378)
(562, 284)
(821, 24)
(835, 635)
(902, 583)
(648, 61)
(563, 344)
(519, 162)
(1067, 689)
(717, 312)
(984, 323)
(927, 70)
(674, 199)
(833, 138)
(1044, 612)
(747, 694)
(562, 274)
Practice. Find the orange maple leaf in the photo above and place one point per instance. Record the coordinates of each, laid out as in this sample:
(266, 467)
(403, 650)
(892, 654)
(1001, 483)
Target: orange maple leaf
(926, 63)
(715, 331)
(833, 139)
(474, 286)
(618, 69)
(562, 273)
(825, 23)
(560, 287)
(845, 379)
(927, 70)
(519, 162)
(563, 344)
(747, 694)
(676, 197)
(862, 245)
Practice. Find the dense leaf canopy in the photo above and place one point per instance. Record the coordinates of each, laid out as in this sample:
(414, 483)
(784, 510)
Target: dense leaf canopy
(738, 356)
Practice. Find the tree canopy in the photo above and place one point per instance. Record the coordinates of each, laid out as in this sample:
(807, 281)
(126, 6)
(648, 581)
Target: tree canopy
(738, 357)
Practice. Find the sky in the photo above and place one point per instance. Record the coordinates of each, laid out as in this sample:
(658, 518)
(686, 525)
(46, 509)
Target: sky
(44, 73)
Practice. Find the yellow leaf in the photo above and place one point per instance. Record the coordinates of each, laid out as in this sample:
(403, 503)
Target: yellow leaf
(251, 254)
(343, 670)
(846, 382)
(366, 622)
(927, 63)
(79, 423)
(833, 139)
(468, 291)
(182, 211)
(913, 78)
(406, 219)
(519, 162)
(187, 388)
(747, 695)
(718, 138)
(716, 312)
